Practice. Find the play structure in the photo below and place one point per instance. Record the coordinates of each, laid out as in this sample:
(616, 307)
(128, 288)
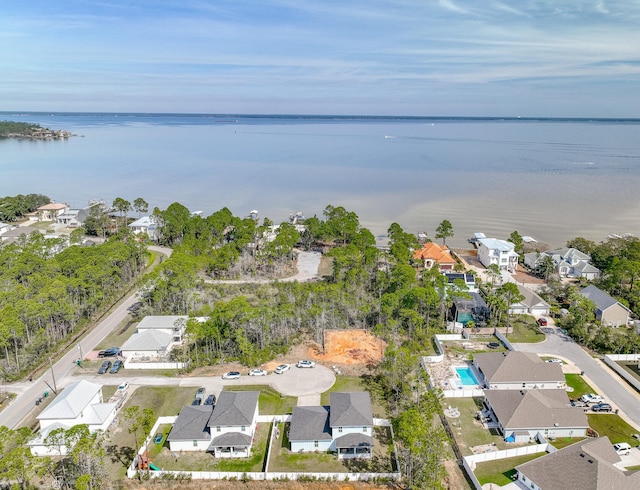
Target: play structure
(144, 462)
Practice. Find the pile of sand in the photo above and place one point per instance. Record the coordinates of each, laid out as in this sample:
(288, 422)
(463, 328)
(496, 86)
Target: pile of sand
(350, 347)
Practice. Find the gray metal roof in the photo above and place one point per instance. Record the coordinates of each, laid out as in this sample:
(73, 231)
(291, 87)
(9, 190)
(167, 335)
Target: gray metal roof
(535, 409)
(165, 322)
(227, 439)
(191, 424)
(310, 424)
(234, 408)
(517, 367)
(586, 465)
(354, 439)
(148, 340)
(350, 409)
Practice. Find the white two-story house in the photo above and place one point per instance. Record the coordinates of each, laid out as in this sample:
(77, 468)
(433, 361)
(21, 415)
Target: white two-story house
(499, 252)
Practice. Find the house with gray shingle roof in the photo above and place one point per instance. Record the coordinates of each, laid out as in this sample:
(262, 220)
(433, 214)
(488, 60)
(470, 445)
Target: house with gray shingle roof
(531, 303)
(591, 464)
(569, 262)
(514, 370)
(345, 427)
(523, 414)
(609, 311)
(227, 431)
(79, 403)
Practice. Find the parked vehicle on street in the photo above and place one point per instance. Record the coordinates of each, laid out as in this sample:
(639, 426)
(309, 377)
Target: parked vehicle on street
(282, 368)
(602, 407)
(556, 360)
(231, 375)
(105, 367)
(111, 352)
(306, 364)
(117, 366)
(257, 372)
(123, 386)
(542, 322)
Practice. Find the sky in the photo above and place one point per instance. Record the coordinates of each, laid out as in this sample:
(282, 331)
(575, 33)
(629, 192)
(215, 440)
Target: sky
(529, 58)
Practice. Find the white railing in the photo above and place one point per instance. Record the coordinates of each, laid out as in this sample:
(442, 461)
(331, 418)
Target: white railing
(506, 453)
(612, 360)
(131, 364)
(438, 342)
(470, 393)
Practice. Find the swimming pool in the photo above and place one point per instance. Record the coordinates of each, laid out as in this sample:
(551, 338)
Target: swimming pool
(467, 378)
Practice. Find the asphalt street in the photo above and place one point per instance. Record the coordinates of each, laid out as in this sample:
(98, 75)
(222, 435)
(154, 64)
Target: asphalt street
(601, 378)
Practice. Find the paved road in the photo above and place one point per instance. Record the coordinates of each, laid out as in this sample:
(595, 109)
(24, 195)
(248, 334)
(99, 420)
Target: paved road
(27, 393)
(605, 381)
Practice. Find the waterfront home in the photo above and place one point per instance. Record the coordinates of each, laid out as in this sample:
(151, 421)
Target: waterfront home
(345, 427)
(531, 304)
(469, 280)
(499, 252)
(79, 403)
(433, 254)
(145, 226)
(569, 262)
(226, 431)
(50, 212)
(591, 464)
(470, 307)
(609, 311)
(515, 370)
(523, 414)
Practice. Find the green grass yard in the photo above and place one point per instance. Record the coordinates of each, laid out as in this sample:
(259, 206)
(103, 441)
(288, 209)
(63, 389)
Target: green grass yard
(612, 426)
(579, 385)
(270, 402)
(502, 471)
(525, 330)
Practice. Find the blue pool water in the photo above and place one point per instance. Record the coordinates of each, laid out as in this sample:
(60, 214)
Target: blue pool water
(467, 378)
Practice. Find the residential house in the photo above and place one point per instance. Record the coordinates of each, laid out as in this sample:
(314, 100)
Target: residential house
(345, 427)
(51, 211)
(79, 403)
(591, 464)
(226, 431)
(73, 218)
(470, 307)
(469, 280)
(523, 414)
(4, 227)
(14, 234)
(145, 225)
(531, 304)
(433, 254)
(569, 262)
(609, 311)
(515, 370)
(499, 252)
(156, 336)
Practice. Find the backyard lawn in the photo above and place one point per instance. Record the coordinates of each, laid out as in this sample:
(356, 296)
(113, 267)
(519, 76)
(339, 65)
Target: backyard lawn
(502, 471)
(352, 383)
(469, 432)
(270, 402)
(525, 330)
(613, 426)
(282, 459)
(203, 461)
(579, 385)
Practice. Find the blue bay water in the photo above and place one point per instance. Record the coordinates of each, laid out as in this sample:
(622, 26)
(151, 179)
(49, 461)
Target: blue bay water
(550, 179)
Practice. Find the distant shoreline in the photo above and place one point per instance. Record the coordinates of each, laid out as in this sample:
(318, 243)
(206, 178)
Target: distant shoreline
(30, 131)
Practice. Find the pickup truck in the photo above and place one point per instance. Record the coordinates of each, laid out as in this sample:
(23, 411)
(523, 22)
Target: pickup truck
(591, 398)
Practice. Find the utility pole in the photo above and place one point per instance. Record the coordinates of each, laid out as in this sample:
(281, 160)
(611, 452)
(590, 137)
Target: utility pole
(53, 377)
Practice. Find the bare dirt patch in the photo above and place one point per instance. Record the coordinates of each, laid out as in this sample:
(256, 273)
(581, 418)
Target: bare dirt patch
(349, 348)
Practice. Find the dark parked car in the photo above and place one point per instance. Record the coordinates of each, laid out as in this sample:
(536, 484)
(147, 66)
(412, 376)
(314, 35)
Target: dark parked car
(602, 407)
(105, 367)
(197, 401)
(117, 366)
(211, 400)
(111, 352)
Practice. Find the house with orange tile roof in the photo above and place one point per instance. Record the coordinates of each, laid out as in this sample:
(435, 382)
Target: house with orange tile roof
(432, 254)
(49, 212)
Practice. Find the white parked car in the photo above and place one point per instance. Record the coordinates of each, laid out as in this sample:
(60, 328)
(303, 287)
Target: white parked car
(231, 375)
(622, 448)
(591, 398)
(257, 372)
(282, 368)
(555, 359)
(124, 386)
(306, 364)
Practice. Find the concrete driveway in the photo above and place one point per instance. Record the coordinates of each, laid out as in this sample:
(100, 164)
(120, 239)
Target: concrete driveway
(295, 382)
(607, 383)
